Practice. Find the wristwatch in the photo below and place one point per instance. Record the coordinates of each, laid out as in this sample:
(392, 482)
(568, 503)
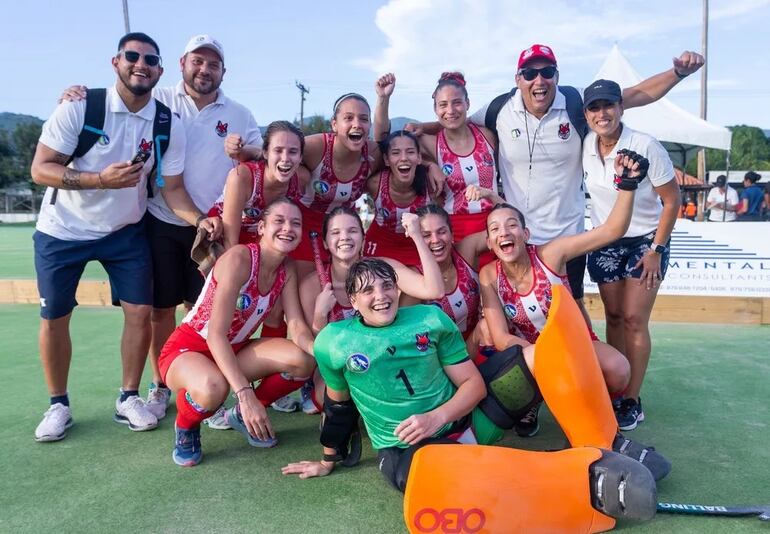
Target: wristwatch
(658, 249)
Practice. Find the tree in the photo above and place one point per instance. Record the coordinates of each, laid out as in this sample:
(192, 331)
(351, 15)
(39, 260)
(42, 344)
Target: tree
(315, 124)
(750, 150)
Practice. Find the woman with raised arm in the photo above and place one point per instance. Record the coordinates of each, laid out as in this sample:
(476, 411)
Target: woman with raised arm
(516, 289)
(322, 293)
(339, 162)
(401, 187)
(252, 185)
(463, 151)
(629, 270)
(212, 352)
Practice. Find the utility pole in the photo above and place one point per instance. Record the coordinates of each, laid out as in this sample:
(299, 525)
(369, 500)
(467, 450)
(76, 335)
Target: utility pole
(704, 85)
(125, 16)
(303, 91)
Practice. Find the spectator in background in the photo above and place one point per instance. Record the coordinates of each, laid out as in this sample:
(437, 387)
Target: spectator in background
(751, 198)
(723, 201)
(690, 208)
(767, 201)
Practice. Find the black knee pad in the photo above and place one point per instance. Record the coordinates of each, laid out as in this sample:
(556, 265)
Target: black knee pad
(511, 388)
(339, 430)
(622, 487)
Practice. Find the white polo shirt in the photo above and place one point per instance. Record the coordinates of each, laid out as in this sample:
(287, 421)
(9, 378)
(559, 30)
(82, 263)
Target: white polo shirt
(600, 176)
(206, 164)
(80, 215)
(550, 194)
(715, 195)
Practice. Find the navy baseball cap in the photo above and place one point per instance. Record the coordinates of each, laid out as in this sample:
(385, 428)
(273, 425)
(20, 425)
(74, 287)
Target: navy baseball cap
(602, 90)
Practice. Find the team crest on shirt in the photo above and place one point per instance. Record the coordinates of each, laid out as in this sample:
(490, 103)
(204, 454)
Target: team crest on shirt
(510, 310)
(145, 146)
(564, 131)
(104, 139)
(320, 187)
(422, 341)
(243, 302)
(447, 169)
(221, 129)
(252, 212)
(357, 363)
(487, 161)
(515, 133)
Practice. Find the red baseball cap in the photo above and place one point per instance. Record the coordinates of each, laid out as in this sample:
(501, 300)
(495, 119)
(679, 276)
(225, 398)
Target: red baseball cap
(536, 51)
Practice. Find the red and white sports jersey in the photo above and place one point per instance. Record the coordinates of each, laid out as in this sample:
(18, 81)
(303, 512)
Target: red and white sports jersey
(251, 308)
(256, 203)
(386, 212)
(526, 314)
(463, 304)
(476, 168)
(325, 191)
(338, 311)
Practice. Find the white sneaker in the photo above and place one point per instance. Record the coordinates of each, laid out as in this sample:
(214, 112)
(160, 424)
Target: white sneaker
(134, 413)
(56, 420)
(158, 400)
(286, 404)
(218, 421)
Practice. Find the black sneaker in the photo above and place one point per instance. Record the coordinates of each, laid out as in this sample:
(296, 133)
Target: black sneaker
(528, 425)
(628, 413)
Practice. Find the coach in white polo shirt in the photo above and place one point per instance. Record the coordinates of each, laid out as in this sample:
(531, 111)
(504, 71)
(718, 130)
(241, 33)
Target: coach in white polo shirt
(219, 130)
(540, 148)
(630, 270)
(93, 210)
(718, 198)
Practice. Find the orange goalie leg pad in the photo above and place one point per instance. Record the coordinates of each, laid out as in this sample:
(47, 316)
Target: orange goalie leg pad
(505, 490)
(570, 380)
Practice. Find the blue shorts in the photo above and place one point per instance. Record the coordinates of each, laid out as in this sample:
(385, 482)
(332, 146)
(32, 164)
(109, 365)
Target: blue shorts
(124, 254)
(616, 261)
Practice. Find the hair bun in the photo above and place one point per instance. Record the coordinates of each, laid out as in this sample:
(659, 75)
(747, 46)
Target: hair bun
(454, 76)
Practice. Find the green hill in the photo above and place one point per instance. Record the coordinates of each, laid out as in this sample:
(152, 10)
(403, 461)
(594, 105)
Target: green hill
(8, 121)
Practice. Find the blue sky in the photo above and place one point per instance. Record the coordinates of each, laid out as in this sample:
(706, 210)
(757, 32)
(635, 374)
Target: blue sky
(336, 46)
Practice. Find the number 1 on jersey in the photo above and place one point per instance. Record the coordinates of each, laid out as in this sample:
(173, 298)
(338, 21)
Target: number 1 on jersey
(402, 375)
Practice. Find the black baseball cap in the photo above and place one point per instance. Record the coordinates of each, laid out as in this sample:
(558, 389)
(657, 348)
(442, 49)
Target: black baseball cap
(602, 90)
(721, 180)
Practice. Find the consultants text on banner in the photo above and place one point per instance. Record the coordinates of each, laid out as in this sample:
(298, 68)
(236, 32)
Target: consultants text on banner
(729, 259)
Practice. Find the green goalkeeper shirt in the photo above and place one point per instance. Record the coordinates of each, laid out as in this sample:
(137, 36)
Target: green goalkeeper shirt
(394, 371)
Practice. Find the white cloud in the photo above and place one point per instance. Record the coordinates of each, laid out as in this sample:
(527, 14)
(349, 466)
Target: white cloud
(484, 37)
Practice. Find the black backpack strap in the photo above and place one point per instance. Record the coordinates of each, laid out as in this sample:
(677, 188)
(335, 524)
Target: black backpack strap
(490, 122)
(161, 132)
(575, 109)
(93, 127)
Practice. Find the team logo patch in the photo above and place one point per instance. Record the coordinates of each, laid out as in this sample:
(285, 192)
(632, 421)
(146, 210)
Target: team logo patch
(564, 131)
(510, 310)
(221, 129)
(447, 169)
(145, 146)
(422, 341)
(243, 302)
(487, 161)
(252, 212)
(320, 187)
(104, 139)
(357, 363)
(515, 133)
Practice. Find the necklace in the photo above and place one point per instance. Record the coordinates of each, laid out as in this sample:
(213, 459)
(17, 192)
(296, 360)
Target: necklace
(530, 148)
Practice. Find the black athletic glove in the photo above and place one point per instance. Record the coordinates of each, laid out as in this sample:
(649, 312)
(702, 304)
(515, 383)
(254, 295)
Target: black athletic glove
(624, 181)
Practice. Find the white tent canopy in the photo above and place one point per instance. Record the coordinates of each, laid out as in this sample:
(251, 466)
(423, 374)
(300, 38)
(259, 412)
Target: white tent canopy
(676, 128)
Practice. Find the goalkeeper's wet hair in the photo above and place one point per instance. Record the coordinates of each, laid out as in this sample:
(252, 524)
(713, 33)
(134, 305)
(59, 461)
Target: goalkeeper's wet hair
(365, 271)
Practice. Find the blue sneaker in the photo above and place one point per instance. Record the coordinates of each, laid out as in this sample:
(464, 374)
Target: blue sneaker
(628, 413)
(187, 448)
(233, 417)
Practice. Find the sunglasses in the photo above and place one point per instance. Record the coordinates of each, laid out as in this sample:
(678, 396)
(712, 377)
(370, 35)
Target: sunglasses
(530, 74)
(152, 60)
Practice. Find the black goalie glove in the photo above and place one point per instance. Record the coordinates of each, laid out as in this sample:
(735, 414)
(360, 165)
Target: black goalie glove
(631, 183)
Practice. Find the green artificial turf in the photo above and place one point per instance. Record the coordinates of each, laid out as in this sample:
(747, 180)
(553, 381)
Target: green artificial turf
(18, 260)
(706, 400)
